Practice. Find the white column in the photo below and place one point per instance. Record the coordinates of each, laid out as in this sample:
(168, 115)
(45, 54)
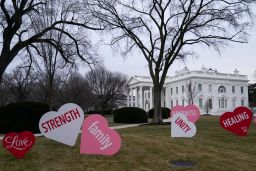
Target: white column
(151, 97)
(136, 97)
(132, 98)
(141, 98)
(166, 97)
(128, 96)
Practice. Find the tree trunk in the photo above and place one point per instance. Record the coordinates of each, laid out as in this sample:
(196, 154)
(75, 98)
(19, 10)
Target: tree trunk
(157, 118)
(50, 94)
(3, 65)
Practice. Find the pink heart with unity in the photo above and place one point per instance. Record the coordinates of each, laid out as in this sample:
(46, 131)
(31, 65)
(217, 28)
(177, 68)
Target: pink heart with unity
(98, 138)
(191, 111)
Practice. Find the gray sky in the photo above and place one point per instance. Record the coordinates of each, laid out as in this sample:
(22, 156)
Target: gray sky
(236, 56)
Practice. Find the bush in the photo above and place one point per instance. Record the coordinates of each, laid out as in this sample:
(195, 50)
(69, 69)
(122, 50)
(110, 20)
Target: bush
(22, 116)
(130, 115)
(165, 113)
(93, 112)
(105, 112)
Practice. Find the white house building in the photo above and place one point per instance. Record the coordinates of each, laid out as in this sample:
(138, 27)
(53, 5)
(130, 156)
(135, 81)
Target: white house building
(211, 91)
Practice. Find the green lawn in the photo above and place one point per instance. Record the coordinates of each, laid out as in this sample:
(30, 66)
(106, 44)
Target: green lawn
(147, 148)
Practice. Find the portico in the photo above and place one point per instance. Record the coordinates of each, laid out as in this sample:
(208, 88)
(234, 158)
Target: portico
(140, 93)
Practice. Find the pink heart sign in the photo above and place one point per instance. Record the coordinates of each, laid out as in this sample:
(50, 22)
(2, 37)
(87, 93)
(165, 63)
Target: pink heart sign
(97, 138)
(190, 111)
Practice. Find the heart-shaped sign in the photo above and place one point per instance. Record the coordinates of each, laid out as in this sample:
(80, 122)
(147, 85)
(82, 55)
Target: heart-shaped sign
(181, 127)
(97, 138)
(191, 111)
(19, 144)
(237, 122)
(62, 126)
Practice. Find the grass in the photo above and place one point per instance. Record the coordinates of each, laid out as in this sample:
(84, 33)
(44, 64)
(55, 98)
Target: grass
(148, 148)
(109, 118)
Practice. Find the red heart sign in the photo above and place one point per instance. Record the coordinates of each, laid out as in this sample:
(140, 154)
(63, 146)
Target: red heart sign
(19, 144)
(237, 122)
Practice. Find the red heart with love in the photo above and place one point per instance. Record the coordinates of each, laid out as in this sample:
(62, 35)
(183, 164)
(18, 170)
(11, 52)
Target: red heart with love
(237, 122)
(19, 143)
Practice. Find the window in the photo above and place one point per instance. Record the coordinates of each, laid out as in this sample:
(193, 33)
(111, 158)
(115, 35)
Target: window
(234, 103)
(242, 102)
(242, 90)
(222, 89)
(183, 89)
(200, 87)
(177, 102)
(177, 90)
(171, 104)
(223, 103)
(149, 95)
(233, 89)
(171, 91)
(201, 103)
(210, 88)
(183, 102)
(210, 103)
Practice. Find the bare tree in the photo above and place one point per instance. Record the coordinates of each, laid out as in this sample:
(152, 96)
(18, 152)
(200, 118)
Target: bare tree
(165, 30)
(5, 97)
(109, 87)
(192, 92)
(17, 33)
(19, 83)
(76, 91)
(51, 64)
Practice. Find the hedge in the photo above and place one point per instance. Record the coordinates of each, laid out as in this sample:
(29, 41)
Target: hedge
(165, 113)
(130, 115)
(22, 116)
(105, 112)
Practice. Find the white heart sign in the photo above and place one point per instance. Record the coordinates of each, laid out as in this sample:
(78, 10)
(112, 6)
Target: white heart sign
(62, 126)
(181, 127)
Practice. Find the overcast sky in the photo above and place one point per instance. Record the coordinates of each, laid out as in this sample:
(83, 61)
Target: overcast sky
(236, 56)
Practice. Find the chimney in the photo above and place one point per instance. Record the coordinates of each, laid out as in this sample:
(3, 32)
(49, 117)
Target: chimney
(236, 72)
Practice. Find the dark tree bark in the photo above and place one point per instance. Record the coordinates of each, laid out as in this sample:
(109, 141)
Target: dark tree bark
(18, 17)
(166, 30)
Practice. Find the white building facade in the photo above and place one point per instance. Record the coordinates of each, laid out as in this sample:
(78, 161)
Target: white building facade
(213, 92)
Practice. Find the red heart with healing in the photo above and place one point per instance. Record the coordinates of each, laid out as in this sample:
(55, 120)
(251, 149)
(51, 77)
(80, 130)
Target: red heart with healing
(19, 143)
(237, 122)
(98, 138)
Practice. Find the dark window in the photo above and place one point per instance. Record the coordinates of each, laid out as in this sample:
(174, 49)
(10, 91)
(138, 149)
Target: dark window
(199, 87)
(242, 90)
(210, 103)
(233, 89)
(242, 102)
(222, 89)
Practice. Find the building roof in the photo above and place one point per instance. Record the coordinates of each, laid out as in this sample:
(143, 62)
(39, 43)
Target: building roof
(187, 74)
